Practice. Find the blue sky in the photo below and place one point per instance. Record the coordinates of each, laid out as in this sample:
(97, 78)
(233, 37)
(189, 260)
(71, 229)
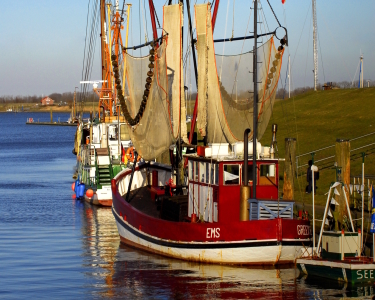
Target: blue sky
(42, 41)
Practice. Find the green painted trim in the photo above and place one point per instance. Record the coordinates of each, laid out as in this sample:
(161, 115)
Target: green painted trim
(330, 255)
(352, 276)
(325, 233)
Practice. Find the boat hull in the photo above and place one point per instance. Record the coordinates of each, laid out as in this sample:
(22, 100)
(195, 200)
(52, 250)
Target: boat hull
(336, 270)
(101, 198)
(263, 252)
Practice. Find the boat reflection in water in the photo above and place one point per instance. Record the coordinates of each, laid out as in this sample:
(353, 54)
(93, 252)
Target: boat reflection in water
(100, 245)
(119, 271)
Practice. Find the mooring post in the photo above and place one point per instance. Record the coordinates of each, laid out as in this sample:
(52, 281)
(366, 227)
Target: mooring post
(289, 168)
(343, 163)
(51, 115)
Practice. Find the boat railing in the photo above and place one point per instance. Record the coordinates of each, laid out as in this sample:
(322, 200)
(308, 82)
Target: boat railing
(91, 181)
(88, 155)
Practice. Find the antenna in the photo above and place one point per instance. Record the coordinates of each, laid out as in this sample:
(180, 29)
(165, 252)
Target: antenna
(315, 29)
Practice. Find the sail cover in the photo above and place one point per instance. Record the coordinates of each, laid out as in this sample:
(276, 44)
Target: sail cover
(159, 126)
(225, 85)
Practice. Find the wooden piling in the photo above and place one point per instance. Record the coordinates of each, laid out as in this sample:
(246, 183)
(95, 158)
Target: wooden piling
(289, 168)
(51, 115)
(343, 161)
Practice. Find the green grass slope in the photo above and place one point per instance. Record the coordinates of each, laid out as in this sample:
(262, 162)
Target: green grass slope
(316, 120)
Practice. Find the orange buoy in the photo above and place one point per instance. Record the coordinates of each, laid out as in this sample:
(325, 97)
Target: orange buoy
(73, 186)
(89, 193)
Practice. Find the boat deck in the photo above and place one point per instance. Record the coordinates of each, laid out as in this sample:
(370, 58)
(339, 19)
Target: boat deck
(166, 207)
(360, 260)
(140, 199)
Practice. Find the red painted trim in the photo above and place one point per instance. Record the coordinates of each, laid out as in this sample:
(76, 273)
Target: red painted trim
(152, 14)
(214, 15)
(229, 231)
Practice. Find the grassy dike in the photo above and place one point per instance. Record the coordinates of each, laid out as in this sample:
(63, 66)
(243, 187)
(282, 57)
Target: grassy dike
(316, 120)
(32, 107)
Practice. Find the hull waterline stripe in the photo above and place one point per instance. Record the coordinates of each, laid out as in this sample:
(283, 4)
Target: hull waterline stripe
(205, 245)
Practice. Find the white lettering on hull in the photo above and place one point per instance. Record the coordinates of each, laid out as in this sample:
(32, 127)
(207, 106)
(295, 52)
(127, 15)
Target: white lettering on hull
(303, 229)
(365, 274)
(213, 233)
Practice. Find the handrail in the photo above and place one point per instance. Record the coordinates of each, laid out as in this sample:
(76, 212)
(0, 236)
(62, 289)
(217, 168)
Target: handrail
(324, 148)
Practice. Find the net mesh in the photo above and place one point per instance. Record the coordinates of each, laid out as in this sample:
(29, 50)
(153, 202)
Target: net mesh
(159, 126)
(153, 135)
(225, 93)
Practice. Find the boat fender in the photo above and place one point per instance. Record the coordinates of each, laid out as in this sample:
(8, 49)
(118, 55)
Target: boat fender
(89, 193)
(76, 184)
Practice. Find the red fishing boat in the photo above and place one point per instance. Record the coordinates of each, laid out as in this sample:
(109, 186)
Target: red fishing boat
(222, 207)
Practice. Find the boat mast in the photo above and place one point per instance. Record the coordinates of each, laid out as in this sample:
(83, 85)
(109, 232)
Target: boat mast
(103, 38)
(255, 99)
(315, 44)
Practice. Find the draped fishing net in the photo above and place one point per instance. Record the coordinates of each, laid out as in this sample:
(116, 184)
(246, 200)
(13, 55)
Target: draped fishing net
(225, 93)
(153, 134)
(160, 124)
(172, 24)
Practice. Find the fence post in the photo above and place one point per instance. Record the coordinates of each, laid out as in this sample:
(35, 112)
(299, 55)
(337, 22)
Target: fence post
(289, 168)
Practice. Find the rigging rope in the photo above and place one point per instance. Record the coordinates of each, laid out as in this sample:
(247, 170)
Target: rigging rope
(144, 23)
(234, 1)
(321, 54)
(274, 14)
(89, 49)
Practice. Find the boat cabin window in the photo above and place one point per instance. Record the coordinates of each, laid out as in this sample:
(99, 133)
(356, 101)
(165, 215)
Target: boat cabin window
(112, 132)
(191, 170)
(124, 132)
(249, 173)
(196, 171)
(267, 174)
(208, 169)
(231, 174)
(216, 176)
(202, 172)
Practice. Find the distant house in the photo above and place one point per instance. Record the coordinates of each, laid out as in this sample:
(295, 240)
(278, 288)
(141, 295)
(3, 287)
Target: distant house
(47, 101)
(330, 86)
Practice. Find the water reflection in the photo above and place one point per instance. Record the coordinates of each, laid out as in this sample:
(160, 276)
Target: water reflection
(119, 271)
(100, 245)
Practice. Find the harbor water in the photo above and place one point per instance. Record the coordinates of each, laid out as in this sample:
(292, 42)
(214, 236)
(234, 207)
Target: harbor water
(55, 247)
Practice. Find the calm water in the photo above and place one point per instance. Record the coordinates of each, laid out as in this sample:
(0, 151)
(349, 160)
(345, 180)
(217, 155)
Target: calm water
(54, 247)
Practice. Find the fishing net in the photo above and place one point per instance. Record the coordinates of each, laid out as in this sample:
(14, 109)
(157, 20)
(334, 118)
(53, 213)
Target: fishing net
(153, 134)
(160, 124)
(225, 93)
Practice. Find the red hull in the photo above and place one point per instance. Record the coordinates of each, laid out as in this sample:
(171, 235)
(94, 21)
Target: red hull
(278, 229)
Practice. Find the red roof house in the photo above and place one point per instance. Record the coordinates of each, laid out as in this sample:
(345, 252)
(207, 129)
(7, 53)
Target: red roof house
(47, 101)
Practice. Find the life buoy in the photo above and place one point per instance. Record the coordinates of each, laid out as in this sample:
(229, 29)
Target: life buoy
(130, 155)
